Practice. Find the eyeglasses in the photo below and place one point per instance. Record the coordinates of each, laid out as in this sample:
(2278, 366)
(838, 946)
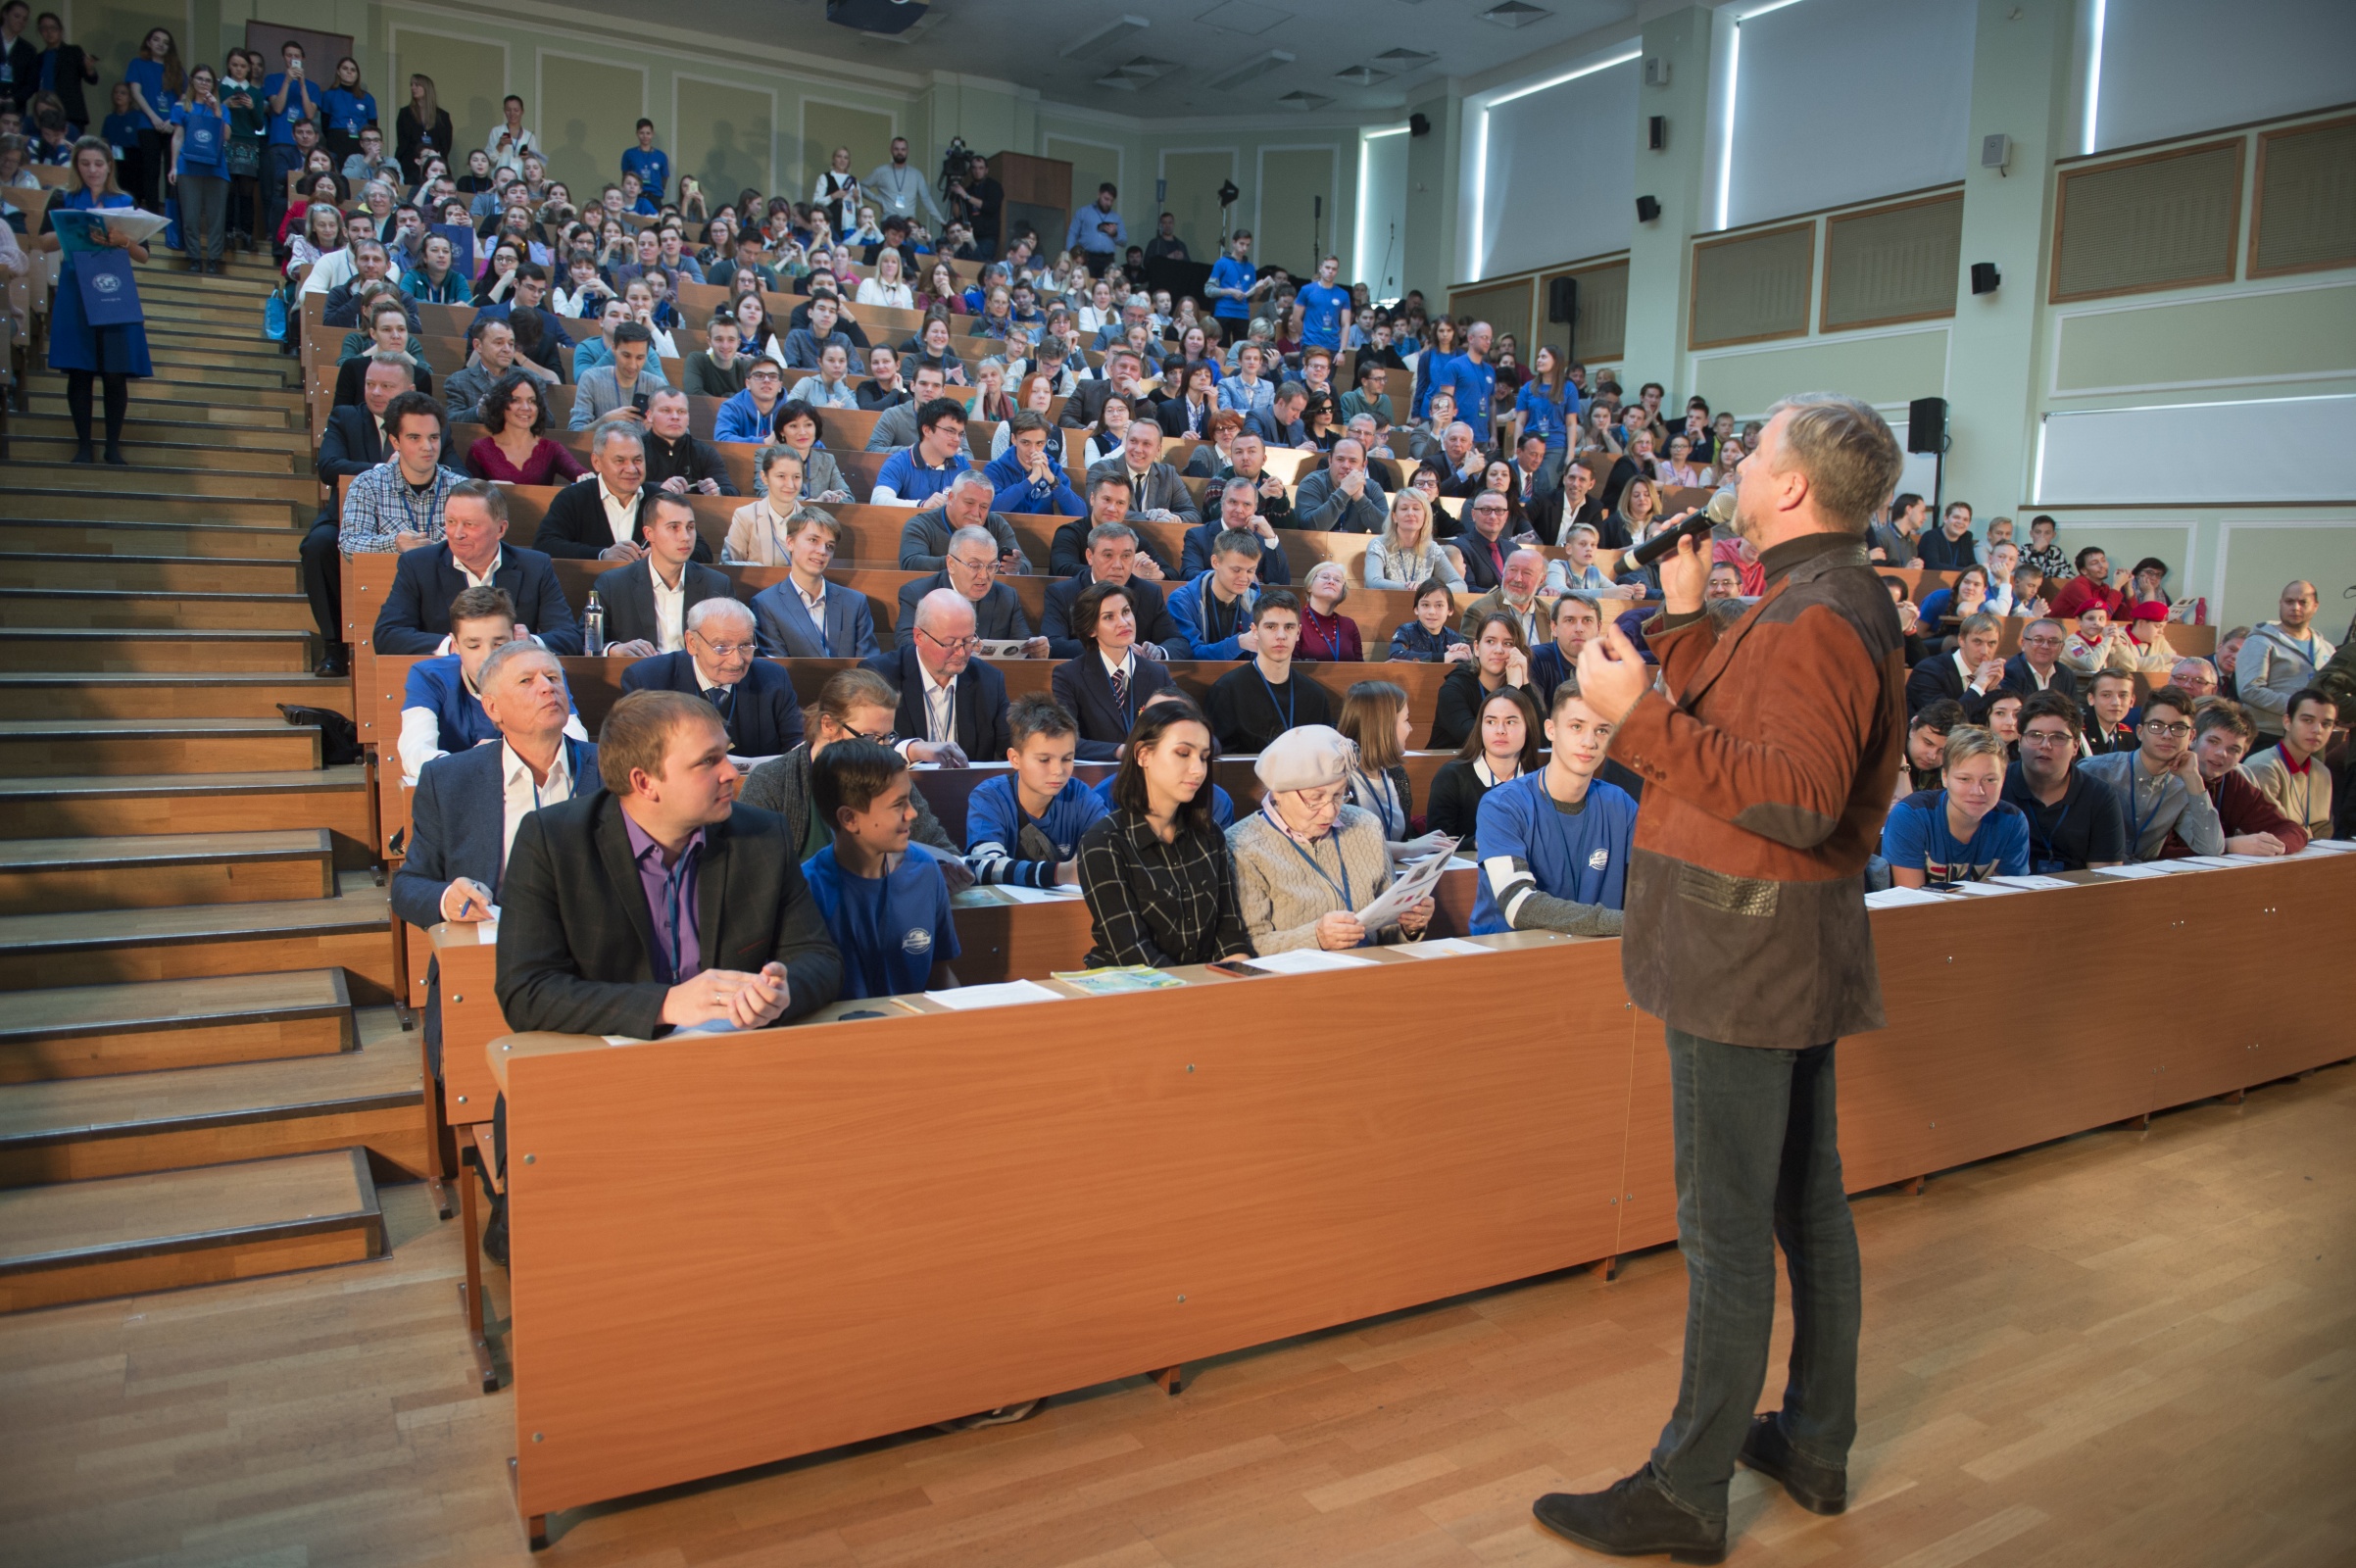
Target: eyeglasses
(727, 649)
(987, 564)
(2153, 726)
(2045, 737)
(950, 644)
(887, 738)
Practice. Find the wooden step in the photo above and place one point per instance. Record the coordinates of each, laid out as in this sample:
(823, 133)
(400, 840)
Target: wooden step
(159, 871)
(128, 1235)
(56, 426)
(332, 798)
(352, 931)
(145, 477)
(93, 1031)
(277, 463)
(171, 399)
(195, 375)
(154, 610)
(78, 1129)
(169, 697)
(48, 533)
(47, 748)
(93, 500)
(35, 650)
(177, 575)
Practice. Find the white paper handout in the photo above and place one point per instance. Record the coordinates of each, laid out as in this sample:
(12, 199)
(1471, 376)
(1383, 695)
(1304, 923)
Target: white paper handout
(1902, 898)
(1004, 994)
(1408, 888)
(1443, 948)
(2033, 881)
(2147, 869)
(1307, 960)
(1983, 890)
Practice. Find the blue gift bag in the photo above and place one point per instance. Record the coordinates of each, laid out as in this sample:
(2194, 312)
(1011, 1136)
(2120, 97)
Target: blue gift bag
(109, 296)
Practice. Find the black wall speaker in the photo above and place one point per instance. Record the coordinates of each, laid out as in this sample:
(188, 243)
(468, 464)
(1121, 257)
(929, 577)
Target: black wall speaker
(1656, 132)
(1419, 124)
(1926, 424)
(1646, 208)
(1562, 299)
(1985, 277)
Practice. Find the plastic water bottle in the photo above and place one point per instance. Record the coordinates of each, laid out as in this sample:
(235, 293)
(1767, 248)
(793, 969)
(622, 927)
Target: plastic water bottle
(593, 626)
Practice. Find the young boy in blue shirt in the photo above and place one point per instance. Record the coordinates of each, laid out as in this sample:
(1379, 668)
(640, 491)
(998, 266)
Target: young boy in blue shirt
(648, 162)
(1025, 827)
(1554, 843)
(888, 909)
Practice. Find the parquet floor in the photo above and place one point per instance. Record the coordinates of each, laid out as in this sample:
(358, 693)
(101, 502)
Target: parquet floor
(2123, 1348)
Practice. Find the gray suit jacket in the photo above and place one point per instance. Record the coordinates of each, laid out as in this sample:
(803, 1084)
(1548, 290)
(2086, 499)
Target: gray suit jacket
(924, 540)
(1317, 505)
(599, 393)
(1163, 488)
(783, 629)
(998, 615)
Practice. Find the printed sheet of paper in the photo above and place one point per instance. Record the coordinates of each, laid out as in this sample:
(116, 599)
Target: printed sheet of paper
(1003, 995)
(1413, 883)
(1444, 948)
(1307, 960)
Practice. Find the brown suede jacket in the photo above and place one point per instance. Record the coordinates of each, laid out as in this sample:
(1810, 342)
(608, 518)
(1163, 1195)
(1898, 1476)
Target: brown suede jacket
(1766, 781)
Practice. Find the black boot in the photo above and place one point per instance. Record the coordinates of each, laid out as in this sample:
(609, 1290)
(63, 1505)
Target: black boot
(1635, 1518)
(336, 662)
(83, 452)
(1817, 1488)
(495, 1231)
(117, 396)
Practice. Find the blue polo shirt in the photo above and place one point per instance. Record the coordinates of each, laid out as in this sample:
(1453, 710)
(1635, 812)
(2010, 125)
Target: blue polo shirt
(651, 166)
(891, 930)
(1228, 273)
(348, 111)
(1475, 387)
(911, 480)
(1581, 855)
(282, 124)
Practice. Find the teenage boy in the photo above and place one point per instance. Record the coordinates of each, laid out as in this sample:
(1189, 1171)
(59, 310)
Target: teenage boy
(1250, 706)
(2159, 784)
(1025, 827)
(887, 910)
(1555, 842)
(2292, 772)
(2074, 822)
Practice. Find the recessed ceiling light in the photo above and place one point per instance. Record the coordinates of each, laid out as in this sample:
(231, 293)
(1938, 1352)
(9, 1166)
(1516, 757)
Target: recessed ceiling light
(1303, 99)
(1252, 69)
(1119, 31)
(1362, 75)
(1515, 14)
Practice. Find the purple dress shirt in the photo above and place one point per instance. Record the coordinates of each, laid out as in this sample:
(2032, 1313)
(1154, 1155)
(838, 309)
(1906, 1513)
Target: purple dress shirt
(671, 900)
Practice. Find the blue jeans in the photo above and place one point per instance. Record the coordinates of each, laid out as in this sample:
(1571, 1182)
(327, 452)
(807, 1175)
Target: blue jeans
(1758, 1162)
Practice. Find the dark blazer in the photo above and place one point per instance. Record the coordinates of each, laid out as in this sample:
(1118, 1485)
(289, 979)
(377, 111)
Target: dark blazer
(2016, 679)
(1274, 568)
(574, 528)
(1084, 689)
(762, 717)
(1262, 424)
(1068, 549)
(1937, 677)
(1086, 406)
(1147, 599)
(576, 941)
(628, 596)
(457, 828)
(998, 615)
(1163, 488)
(415, 616)
(980, 700)
(352, 444)
(351, 381)
(1170, 414)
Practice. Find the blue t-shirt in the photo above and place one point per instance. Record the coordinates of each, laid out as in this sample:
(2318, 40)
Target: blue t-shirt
(347, 112)
(1916, 835)
(283, 123)
(1222, 805)
(1475, 387)
(1581, 855)
(651, 166)
(1547, 416)
(1228, 273)
(121, 132)
(995, 820)
(891, 930)
(205, 144)
(1321, 310)
(1431, 375)
(148, 77)
(911, 480)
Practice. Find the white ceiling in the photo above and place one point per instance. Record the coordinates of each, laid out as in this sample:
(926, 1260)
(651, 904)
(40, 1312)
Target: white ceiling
(1186, 46)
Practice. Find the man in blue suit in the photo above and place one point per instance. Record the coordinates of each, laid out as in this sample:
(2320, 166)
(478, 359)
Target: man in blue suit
(805, 617)
(755, 697)
(952, 705)
(473, 552)
(468, 804)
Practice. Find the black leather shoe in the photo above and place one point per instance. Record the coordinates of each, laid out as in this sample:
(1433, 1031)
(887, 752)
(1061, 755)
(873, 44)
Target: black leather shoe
(495, 1233)
(1635, 1518)
(1817, 1488)
(335, 662)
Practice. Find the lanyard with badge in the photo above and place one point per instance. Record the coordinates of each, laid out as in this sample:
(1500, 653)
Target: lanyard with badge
(1340, 888)
(1292, 695)
(2048, 856)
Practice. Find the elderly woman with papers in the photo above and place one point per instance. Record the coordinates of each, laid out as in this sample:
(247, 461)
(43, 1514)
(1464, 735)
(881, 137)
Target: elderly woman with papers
(1306, 861)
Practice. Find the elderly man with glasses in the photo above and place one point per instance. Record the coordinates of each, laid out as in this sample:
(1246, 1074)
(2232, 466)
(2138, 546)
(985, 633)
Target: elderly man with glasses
(970, 569)
(753, 697)
(953, 707)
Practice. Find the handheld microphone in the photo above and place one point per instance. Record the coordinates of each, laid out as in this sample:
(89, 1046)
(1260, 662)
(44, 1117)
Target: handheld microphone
(1721, 509)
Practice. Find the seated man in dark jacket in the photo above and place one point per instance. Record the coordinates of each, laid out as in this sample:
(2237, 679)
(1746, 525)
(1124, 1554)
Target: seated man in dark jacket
(754, 695)
(969, 569)
(415, 617)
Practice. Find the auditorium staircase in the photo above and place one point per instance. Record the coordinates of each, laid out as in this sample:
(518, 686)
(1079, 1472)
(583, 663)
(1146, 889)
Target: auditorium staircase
(202, 1075)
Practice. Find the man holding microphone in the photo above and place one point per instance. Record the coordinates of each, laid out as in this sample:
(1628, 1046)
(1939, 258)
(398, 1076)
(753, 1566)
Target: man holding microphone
(1768, 762)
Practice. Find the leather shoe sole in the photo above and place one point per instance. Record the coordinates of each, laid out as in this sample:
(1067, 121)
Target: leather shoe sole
(1765, 1450)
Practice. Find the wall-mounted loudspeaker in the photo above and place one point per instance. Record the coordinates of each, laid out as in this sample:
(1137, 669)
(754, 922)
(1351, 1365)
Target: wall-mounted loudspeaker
(1656, 132)
(1646, 208)
(1985, 277)
(1562, 299)
(1926, 424)
(1419, 124)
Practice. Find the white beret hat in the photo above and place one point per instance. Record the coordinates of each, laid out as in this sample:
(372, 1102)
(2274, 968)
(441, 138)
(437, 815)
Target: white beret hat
(1306, 758)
